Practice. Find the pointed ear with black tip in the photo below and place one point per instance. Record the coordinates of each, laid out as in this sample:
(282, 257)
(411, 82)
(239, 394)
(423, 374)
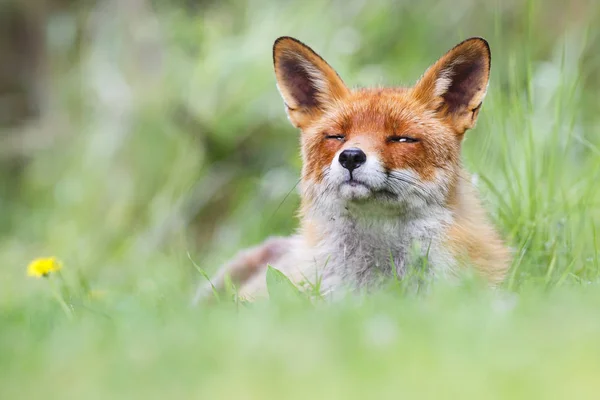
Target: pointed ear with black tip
(457, 83)
(308, 85)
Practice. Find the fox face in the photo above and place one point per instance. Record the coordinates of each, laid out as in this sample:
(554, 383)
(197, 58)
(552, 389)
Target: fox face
(380, 151)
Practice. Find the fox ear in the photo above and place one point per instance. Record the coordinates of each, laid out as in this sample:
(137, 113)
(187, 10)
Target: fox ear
(306, 82)
(456, 84)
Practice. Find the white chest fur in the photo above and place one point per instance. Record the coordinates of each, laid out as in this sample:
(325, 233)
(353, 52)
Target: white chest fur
(361, 252)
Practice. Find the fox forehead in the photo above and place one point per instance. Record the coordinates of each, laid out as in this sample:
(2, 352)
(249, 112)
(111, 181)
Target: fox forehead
(388, 111)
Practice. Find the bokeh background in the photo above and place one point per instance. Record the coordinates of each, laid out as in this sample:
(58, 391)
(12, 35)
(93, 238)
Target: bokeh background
(135, 130)
(139, 135)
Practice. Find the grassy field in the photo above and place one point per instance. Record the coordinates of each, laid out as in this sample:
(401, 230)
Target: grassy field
(163, 143)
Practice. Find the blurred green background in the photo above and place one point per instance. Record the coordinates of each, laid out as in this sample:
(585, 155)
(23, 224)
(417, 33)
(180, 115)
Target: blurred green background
(138, 135)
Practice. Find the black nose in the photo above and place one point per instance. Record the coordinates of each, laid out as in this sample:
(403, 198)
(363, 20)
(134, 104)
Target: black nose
(352, 158)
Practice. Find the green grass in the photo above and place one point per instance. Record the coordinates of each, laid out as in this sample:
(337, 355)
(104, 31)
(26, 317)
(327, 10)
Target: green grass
(191, 153)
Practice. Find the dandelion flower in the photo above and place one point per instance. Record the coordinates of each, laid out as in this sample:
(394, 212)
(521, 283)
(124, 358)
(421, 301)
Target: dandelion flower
(42, 267)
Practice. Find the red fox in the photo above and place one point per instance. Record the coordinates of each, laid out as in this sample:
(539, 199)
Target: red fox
(381, 176)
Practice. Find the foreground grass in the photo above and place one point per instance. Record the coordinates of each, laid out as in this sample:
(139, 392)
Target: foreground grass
(455, 342)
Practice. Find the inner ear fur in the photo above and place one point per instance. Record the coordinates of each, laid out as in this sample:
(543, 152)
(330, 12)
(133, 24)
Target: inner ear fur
(308, 85)
(456, 84)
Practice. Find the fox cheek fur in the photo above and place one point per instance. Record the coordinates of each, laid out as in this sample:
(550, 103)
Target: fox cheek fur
(381, 173)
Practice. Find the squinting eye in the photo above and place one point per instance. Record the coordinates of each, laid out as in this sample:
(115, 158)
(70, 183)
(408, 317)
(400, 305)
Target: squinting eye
(335, 137)
(402, 139)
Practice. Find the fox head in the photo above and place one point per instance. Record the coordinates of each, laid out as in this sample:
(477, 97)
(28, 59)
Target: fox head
(381, 150)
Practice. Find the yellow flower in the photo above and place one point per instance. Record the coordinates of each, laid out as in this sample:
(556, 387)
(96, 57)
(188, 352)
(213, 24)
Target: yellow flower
(41, 267)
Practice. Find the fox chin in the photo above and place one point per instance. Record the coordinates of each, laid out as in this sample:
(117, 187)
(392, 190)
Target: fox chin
(381, 176)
